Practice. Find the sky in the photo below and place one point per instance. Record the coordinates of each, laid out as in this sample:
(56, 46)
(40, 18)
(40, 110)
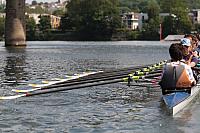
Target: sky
(29, 1)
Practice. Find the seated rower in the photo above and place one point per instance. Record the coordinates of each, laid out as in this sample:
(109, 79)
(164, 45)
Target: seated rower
(197, 43)
(176, 74)
(189, 56)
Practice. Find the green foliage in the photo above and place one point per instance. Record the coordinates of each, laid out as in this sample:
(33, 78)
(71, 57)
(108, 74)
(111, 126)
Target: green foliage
(197, 27)
(168, 6)
(124, 9)
(92, 19)
(2, 28)
(2, 8)
(30, 28)
(193, 4)
(178, 22)
(150, 29)
(44, 23)
(168, 26)
(58, 12)
(132, 35)
(37, 10)
(44, 27)
(153, 9)
(165, 5)
(135, 5)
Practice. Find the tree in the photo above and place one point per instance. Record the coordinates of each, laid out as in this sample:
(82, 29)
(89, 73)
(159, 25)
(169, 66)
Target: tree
(44, 27)
(92, 19)
(151, 27)
(44, 23)
(178, 21)
(153, 9)
(2, 28)
(38, 10)
(135, 5)
(58, 12)
(34, 3)
(30, 28)
(193, 4)
(2, 8)
(168, 6)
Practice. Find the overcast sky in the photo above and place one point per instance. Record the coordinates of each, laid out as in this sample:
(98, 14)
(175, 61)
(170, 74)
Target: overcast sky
(29, 1)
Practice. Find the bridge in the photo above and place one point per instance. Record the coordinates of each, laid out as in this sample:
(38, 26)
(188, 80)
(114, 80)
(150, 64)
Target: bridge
(15, 27)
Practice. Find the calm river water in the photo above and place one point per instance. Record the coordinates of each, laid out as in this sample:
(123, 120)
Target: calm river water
(113, 108)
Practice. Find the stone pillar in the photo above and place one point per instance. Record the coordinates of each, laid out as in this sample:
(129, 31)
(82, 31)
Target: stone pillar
(15, 28)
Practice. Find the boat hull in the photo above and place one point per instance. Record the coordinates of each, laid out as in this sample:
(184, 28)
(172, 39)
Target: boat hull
(177, 101)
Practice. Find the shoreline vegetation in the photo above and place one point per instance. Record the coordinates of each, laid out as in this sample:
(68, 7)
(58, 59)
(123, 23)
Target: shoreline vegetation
(74, 36)
(89, 20)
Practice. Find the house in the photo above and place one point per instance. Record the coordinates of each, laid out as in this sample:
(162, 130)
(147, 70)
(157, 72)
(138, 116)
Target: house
(55, 20)
(195, 15)
(130, 20)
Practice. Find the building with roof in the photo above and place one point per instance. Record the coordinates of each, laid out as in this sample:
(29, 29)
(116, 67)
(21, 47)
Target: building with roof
(55, 20)
(130, 20)
(195, 15)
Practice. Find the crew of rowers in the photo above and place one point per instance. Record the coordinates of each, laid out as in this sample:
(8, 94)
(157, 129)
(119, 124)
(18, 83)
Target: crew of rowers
(178, 73)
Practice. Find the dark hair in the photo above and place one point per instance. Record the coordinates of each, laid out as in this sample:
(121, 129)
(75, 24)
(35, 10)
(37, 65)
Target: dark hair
(176, 51)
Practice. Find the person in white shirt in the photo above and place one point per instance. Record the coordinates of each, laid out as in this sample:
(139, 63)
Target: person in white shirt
(176, 74)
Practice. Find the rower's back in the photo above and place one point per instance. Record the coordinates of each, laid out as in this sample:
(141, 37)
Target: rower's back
(176, 74)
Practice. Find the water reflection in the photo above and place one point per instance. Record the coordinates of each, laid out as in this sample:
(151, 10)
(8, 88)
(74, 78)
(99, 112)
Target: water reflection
(14, 68)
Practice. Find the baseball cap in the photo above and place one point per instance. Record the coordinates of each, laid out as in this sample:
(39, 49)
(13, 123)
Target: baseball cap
(186, 42)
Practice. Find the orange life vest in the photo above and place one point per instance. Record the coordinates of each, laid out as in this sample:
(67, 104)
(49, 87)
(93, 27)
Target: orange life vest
(175, 77)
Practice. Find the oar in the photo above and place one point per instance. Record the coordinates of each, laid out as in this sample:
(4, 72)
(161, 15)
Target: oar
(145, 84)
(77, 82)
(96, 80)
(73, 83)
(84, 85)
(65, 88)
(79, 86)
(119, 72)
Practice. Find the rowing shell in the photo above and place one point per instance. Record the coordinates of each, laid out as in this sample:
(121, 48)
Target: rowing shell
(177, 101)
(34, 86)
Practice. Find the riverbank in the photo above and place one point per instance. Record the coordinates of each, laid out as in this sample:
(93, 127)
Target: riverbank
(120, 35)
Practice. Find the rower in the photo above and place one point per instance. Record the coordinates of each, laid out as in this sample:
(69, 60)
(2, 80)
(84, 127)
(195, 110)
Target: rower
(197, 39)
(176, 74)
(189, 55)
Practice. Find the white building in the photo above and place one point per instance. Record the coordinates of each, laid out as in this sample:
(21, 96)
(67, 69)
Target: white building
(130, 19)
(196, 15)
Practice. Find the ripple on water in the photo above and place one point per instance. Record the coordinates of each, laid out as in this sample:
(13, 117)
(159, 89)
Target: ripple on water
(110, 108)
